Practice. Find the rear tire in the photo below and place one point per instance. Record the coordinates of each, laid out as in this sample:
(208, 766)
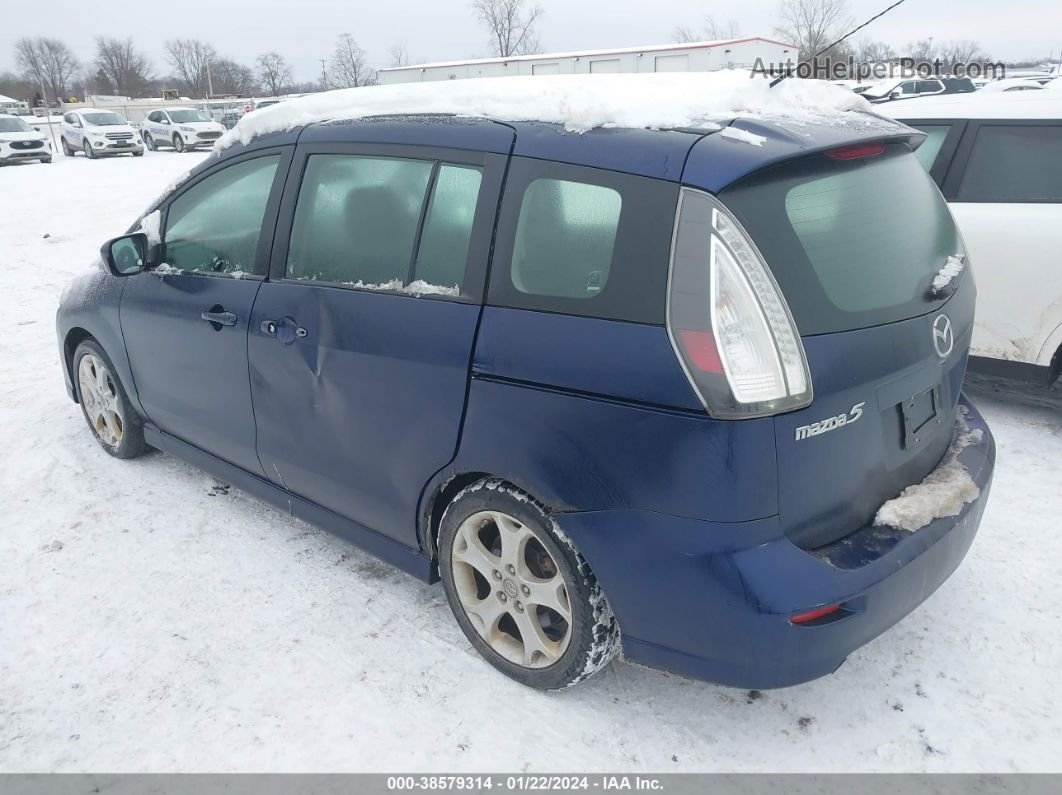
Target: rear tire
(520, 591)
(111, 417)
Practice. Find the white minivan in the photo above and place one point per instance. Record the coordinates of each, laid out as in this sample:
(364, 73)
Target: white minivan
(181, 128)
(997, 158)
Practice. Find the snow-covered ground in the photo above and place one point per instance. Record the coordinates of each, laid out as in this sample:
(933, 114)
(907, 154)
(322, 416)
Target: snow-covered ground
(153, 620)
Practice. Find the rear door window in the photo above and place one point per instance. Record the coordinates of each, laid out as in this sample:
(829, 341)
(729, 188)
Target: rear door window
(852, 243)
(583, 241)
(356, 220)
(1014, 163)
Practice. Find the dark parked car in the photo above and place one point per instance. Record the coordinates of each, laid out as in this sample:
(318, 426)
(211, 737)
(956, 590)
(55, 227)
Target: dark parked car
(640, 384)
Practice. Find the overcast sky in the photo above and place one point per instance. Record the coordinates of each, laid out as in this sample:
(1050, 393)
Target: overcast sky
(305, 30)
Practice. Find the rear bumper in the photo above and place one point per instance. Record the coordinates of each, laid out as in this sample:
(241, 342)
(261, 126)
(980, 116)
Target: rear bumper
(713, 601)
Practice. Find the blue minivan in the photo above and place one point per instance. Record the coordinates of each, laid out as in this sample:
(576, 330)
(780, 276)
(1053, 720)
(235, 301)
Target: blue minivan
(630, 390)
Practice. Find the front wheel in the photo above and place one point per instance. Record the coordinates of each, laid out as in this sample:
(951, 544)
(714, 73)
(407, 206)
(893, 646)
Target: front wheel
(178, 143)
(104, 403)
(68, 150)
(149, 142)
(87, 147)
(521, 592)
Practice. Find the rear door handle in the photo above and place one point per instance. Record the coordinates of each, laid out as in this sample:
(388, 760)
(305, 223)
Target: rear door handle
(220, 318)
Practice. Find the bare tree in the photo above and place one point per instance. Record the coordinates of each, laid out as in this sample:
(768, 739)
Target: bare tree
(962, 51)
(813, 25)
(127, 69)
(870, 51)
(399, 54)
(273, 71)
(922, 50)
(47, 62)
(230, 77)
(349, 67)
(709, 31)
(189, 58)
(510, 26)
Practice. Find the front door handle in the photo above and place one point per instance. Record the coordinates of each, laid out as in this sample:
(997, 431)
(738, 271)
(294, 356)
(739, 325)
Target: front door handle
(220, 318)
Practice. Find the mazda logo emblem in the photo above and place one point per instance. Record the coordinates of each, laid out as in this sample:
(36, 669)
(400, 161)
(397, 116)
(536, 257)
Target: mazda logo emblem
(943, 338)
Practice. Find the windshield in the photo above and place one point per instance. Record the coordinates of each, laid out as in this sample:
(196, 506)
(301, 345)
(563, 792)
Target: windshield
(103, 119)
(187, 115)
(12, 124)
(853, 243)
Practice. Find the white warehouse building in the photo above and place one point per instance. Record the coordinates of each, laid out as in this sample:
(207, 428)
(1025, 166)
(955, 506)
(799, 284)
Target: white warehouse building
(698, 56)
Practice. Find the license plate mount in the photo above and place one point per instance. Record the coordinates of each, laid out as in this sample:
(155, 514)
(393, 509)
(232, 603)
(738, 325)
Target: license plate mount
(921, 413)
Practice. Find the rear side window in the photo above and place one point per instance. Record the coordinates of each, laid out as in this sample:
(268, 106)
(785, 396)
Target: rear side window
(936, 134)
(852, 243)
(565, 238)
(1018, 163)
(213, 227)
(583, 241)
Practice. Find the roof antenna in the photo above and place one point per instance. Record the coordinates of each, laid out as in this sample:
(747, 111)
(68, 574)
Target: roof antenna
(827, 48)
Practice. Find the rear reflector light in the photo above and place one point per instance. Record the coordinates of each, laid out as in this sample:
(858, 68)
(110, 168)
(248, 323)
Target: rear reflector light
(856, 152)
(727, 319)
(806, 618)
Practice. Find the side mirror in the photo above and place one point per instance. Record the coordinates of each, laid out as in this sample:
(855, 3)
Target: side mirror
(896, 94)
(126, 255)
(164, 120)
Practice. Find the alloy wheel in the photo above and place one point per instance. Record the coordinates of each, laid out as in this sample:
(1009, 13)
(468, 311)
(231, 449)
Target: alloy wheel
(511, 589)
(99, 396)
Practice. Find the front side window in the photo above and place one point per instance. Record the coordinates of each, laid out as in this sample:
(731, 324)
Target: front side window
(356, 220)
(1016, 163)
(214, 226)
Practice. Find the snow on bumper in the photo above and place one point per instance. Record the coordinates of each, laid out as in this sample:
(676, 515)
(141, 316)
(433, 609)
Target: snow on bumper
(713, 600)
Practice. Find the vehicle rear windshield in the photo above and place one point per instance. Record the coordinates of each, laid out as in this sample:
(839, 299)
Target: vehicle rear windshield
(852, 243)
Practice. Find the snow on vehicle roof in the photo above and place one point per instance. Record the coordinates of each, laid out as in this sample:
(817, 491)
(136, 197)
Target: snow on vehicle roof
(994, 105)
(1010, 83)
(578, 102)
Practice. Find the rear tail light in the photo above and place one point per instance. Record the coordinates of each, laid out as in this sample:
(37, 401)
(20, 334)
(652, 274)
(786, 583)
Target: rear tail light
(727, 319)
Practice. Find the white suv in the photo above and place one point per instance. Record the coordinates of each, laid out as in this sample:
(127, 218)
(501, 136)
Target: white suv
(182, 128)
(99, 132)
(997, 158)
(19, 141)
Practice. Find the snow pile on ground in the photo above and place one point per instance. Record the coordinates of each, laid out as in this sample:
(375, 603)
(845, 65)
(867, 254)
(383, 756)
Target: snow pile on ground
(943, 492)
(952, 268)
(579, 102)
